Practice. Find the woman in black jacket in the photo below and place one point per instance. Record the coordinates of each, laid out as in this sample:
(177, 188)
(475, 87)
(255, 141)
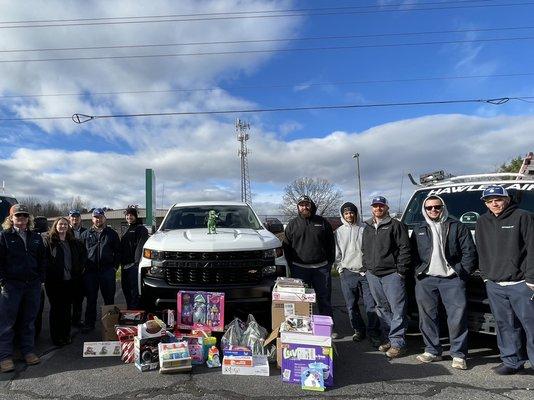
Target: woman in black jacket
(66, 259)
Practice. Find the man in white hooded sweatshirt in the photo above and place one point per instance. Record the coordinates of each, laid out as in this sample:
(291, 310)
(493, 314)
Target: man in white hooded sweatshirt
(444, 255)
(352, 276)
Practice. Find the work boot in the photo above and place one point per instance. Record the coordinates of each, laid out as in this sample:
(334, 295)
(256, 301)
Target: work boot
(428, 357)
(384, 347)
(503, 369)
(395, 352)
(7, 365)
(31, 359)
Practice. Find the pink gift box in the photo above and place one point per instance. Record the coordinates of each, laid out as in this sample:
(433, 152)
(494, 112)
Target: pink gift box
(322, 325)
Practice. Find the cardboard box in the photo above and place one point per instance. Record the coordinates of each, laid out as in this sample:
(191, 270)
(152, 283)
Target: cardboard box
(305, 338)
(296, 358)
(260, 367)
(102, 349)
(243, 361)
(280, 309)
(308, 296)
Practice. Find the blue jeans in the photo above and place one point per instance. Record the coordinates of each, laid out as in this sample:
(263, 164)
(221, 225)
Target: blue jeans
(20, 299)
(320, 279)
(130, 288)
(389, 293)
(514, 314)
(354, 285)
(103, 279)
(428, 291)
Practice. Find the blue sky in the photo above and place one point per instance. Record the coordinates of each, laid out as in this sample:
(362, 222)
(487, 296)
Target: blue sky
(195, 157)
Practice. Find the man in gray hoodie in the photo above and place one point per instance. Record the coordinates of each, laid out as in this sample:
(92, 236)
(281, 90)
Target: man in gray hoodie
(444, 255)
(352, 275)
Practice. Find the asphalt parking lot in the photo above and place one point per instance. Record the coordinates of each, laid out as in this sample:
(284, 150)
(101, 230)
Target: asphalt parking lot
(360, 372)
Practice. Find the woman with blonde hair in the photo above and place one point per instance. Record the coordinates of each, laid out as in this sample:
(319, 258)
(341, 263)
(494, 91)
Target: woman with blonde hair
(66, 259)
(22, 269)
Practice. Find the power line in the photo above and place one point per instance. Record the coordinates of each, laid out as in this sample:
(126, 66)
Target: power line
(242, 12)
(236, 52)
(82, 118)
(291, 14)
(312, 38)
(280, 86)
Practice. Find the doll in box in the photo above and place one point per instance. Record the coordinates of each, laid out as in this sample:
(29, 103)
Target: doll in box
(214, 311)
(199, 310)
(187, 309)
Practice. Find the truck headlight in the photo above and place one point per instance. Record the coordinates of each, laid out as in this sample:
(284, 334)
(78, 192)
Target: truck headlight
(273, 253)
(268, 271)
(151, 254)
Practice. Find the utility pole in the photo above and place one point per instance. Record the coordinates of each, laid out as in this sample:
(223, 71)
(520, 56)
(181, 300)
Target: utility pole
(357, 157)
(242, 128)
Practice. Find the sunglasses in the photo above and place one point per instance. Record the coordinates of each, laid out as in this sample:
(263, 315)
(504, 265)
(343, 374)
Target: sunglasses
(438, 207)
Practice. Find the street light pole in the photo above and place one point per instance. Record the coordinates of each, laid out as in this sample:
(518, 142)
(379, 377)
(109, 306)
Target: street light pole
(357, 157)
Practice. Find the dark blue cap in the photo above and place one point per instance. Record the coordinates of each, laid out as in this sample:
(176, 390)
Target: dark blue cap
(379, 200)
(74, 213)
(97, 212)
(494, 191)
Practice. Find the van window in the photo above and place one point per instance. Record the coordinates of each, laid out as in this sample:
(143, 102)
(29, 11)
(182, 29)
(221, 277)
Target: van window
(196, 217)
(462, 206)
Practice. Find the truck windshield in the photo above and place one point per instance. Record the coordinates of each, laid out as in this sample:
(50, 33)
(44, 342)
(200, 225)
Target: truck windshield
(194, 217)
(465, 206)
(5, 205)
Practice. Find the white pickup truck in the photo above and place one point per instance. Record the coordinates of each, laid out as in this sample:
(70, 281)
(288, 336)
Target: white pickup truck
(242, 259)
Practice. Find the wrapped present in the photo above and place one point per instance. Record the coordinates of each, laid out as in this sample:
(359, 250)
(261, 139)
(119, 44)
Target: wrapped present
(127, 351)
(125, 333)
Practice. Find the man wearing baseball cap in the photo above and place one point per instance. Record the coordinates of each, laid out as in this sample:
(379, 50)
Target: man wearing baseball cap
(75, 222)
(309, 249)
(22, 270)
(103, 259)
(386, 257)
(505, 241)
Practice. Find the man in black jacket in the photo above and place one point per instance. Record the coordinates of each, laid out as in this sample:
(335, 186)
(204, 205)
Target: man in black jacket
(22, 271)
(505, 242)
(309, 248)
(131, 252)
(386, 258)
(444, 256)
(103, 259)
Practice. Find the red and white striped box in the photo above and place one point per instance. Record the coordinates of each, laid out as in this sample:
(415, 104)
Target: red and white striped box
(126, 336)
(127, 351)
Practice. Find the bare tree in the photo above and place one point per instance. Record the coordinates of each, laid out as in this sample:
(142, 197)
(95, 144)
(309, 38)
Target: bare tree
(324, 194)
(49, 208)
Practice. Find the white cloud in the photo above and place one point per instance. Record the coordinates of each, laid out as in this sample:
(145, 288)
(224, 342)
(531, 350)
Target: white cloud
(208, 168)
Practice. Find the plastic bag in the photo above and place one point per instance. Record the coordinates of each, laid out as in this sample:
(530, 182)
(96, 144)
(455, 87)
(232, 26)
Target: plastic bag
(233, 333)
(254, 336)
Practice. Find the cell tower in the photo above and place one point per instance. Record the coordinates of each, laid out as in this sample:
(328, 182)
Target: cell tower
(241, 129)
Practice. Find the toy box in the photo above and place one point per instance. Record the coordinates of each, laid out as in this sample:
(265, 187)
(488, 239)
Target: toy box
(312, 379)
(195, 345)
(291, 285)
(322, 325)
(126, 336)
(131, 317)
(243, 361)
(296, 358)
(151, 329)
(174, 357)
(101, 349)
(260, 367)
(236, 351)
(308, 296)
(200, 309)
(296, 323)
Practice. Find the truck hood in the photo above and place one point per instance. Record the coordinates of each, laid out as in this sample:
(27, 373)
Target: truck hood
(226, 239)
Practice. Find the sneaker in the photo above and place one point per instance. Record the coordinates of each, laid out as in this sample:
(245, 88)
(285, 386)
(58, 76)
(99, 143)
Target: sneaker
(459, 363)
(384, 347)
(395, 352)
(503, 369)
(31, 359)
(358, 336)
(428, 357)
(7, 365)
